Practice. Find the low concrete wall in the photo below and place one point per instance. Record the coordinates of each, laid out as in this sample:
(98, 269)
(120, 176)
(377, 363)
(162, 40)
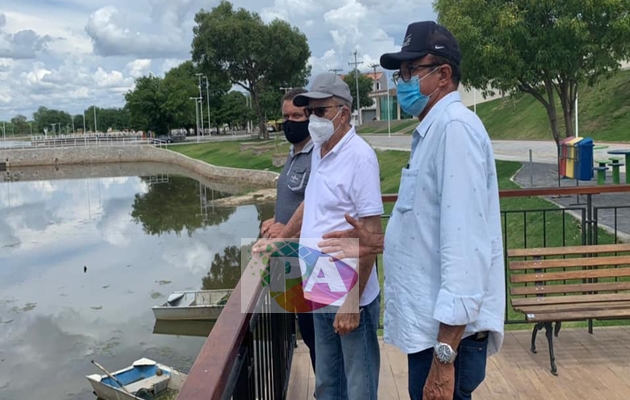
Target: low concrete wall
(124, 154)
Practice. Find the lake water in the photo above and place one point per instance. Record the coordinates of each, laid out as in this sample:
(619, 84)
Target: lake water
(84, 257)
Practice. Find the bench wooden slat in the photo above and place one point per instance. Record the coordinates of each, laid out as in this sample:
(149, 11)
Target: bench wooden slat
(568, 275)
(569, 262)
(578, 316)
(582, 307)
(569, 288)
(570, 299)
(568, 250)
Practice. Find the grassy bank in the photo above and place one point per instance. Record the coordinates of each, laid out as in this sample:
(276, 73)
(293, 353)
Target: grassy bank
(235, 154)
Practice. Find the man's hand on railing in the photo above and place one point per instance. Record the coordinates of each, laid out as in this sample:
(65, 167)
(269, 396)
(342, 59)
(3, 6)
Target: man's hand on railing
(266, 225)
(337, 243)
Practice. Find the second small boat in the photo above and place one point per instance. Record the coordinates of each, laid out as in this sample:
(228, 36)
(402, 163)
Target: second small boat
(193, 305)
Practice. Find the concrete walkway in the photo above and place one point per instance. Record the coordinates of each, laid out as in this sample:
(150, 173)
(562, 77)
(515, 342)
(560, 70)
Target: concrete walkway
(508, 150)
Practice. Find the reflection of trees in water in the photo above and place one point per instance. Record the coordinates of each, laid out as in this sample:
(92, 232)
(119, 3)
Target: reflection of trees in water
(176, 204)
(225, 270)
(265, 211)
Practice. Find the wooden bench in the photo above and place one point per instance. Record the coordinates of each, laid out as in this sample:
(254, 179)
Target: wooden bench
(588, 282)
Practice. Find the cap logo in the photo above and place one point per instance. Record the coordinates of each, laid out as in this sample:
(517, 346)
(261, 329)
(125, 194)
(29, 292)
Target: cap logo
(407, 41)
(438, 47)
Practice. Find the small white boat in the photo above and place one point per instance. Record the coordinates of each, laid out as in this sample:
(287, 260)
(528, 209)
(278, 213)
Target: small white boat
(193, 305)
(145, 379)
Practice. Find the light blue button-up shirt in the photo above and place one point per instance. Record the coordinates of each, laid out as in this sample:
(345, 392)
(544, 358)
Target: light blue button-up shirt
(443, 258)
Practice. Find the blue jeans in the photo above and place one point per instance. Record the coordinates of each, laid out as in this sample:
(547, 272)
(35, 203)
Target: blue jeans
(347, 366)
(470, 368)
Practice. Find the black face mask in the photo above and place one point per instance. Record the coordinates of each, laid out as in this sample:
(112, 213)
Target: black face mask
(295, 132)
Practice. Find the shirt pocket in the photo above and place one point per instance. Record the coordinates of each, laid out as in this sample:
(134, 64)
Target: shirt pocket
(407, 190)
(298, 178)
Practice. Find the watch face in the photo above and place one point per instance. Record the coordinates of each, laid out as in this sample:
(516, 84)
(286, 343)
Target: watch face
(444, 352)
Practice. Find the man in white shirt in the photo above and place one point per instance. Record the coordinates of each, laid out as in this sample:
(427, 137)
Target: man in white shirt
(344, 179)
(443, 252)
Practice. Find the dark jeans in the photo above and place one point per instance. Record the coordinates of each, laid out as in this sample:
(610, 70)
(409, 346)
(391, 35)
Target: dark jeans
(348, 365)
(470, 368)
(305, 322)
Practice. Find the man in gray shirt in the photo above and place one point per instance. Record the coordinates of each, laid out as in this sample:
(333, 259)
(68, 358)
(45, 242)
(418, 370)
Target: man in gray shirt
(290, 190)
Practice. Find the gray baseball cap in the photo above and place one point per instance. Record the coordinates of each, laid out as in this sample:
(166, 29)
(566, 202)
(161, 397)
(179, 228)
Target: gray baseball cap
(324, 86)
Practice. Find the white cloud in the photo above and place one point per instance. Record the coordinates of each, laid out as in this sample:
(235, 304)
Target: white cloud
(113, 35)
(138, 68)
(23, 44)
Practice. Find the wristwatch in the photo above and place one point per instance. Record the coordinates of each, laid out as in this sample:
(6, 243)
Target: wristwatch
(445, 353)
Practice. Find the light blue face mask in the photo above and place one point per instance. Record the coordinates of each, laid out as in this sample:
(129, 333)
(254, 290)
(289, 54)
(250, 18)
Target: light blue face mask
(410, 98)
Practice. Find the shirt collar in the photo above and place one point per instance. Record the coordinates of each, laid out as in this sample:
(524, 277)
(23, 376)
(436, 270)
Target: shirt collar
(436, 111)
(306, 149)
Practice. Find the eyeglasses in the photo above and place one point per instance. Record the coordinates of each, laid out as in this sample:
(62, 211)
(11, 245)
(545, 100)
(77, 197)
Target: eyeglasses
(319, 111)
(406, 73)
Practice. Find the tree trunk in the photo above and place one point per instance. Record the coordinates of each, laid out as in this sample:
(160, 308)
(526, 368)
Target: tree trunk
(261, 119)
(551, 111)
(569, 93)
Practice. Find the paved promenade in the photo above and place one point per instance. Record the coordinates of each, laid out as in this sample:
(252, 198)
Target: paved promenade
(508, 150)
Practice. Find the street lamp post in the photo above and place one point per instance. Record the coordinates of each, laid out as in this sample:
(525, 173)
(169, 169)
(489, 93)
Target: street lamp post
(389, 112)
(208, 103)
(356, 78)
(196, 99)
(95, 129)
(200, 103)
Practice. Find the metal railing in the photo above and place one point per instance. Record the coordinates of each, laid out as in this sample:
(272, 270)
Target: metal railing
(76, 140)
(249, 351)
(248, 354)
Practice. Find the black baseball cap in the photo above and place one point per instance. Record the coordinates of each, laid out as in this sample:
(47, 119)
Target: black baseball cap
(422, 38)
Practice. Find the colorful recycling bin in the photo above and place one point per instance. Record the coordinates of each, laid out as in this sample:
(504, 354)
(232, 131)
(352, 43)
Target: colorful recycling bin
(563, 154)
(572, 157)
(584, 164)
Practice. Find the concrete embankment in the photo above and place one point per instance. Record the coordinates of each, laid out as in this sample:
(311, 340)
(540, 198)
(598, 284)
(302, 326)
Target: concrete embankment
(40, 157)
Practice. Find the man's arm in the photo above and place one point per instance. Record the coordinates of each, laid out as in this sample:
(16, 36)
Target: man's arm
(366, 263)
(338, 243)
(293, 227)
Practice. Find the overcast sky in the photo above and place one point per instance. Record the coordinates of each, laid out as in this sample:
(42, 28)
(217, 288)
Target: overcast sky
(70, 54)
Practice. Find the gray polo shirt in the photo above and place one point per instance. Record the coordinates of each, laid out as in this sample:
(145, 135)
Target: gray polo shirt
(292, 183)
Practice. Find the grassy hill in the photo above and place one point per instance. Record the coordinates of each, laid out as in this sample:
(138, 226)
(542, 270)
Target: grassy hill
(604, 114)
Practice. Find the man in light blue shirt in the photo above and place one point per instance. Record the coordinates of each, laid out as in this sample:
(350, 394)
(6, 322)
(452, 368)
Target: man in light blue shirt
(443, 252)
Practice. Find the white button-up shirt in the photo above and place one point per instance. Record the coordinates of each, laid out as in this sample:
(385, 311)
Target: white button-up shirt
(346, 180)
(443, 257)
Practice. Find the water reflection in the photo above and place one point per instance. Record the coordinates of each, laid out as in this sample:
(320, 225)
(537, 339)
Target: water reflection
(83, 260)
(174, 204)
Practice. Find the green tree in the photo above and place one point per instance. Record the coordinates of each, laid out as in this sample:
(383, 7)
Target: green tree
(45, 119)
(365, 88)
(78, 122)
(544, 48)
(234, 110)
(146, 105)
(20, 125)
(238, 46)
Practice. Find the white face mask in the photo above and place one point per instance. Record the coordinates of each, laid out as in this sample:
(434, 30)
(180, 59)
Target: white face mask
(321, 129)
